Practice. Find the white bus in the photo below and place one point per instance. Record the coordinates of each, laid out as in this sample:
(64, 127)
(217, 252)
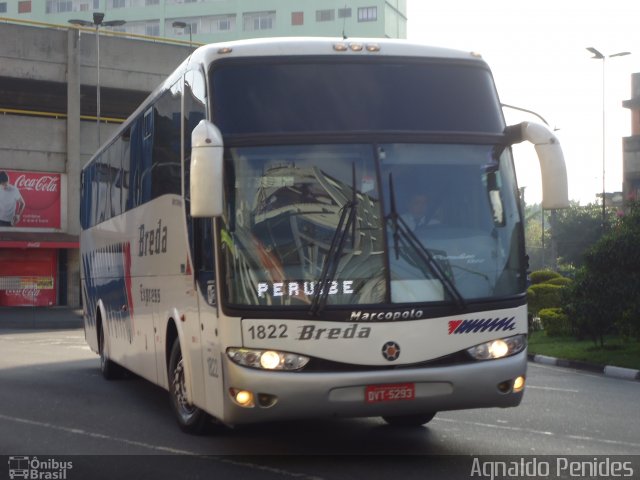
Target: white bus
(296, 228)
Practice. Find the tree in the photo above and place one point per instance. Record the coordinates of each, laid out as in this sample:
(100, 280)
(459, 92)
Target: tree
(578, 228)
(604, 296)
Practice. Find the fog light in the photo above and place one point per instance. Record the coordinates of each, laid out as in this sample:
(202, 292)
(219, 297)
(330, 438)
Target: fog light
(504, 387)
(518, 384)
(244, 398)
(267, 400)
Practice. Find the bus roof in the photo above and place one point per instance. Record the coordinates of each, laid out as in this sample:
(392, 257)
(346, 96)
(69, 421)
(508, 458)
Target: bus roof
(326, 46)
(301, 46)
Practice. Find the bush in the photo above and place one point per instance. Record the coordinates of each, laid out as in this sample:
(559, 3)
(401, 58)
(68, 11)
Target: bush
(559, 281)
(543, 276)
(555, 322)
(543, 295)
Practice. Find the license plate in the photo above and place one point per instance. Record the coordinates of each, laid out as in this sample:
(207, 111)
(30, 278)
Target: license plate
(389, 393)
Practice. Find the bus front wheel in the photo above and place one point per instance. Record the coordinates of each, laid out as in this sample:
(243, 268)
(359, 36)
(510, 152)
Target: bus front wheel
(409, 420)
(191, 419)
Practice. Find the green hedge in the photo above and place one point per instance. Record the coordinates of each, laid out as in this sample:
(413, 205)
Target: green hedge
(560, 281)
(543, 276)
(543, 295)
(555, 322)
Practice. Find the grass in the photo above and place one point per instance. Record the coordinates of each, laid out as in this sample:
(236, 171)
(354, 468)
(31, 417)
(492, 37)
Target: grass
(615, 351)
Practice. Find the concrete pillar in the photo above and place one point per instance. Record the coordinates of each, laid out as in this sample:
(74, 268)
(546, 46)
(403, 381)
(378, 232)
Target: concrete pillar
(73, 131)
(72, 167)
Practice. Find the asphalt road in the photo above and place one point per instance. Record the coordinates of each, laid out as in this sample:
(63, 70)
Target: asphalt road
(54, 402)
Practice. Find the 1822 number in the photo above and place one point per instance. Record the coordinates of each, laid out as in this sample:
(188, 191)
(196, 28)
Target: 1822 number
(271, 331)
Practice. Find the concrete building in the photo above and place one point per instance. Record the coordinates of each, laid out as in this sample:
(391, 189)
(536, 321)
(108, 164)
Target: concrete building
(48, 101)
(49, 130)
(631, 155)
(206, 21)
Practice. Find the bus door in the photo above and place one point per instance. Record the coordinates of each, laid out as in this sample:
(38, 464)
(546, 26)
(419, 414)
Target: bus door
(204, 271)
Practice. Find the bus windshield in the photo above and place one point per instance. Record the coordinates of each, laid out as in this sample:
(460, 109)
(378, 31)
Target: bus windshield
(431, 222)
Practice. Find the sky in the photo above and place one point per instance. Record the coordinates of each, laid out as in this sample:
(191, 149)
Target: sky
(537, 53)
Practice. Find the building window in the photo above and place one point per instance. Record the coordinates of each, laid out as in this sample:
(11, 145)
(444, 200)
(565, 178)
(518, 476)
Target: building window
(344, 13)
(325, 15)
(255, 21)
(24, 6)
(61, 6)
(224, 24)
(152, 2)
(152, 29)
(297, 18)
(3, 7)
(211, 24)
(367, 14)
(118, 3)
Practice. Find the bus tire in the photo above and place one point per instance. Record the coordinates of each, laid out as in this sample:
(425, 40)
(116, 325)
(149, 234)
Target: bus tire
(410, 420)
(191, 419)
(110, 370)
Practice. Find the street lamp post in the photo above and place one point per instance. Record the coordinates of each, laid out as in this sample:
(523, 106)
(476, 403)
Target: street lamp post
(597, 55)
(97, 23)
(178, 24)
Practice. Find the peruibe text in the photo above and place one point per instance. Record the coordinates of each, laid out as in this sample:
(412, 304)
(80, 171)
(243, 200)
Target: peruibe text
(294, 289)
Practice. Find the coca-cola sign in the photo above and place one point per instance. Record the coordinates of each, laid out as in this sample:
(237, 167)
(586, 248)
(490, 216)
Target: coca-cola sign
(41, 195)
(45, 183)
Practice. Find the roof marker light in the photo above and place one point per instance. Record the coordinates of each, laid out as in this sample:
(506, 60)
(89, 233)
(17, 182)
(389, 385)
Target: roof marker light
(356, 47)
(225, 50)
(340, 47)
(373, 47)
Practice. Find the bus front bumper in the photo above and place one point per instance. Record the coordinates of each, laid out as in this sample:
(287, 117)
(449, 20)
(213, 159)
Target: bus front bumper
(297, 395)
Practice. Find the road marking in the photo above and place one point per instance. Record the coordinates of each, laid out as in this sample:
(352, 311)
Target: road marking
(159, 448)
(553, 389)
(541, 432)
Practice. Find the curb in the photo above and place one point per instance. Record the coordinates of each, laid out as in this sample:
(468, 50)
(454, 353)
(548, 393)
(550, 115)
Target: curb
(40, 318)
(607, 370)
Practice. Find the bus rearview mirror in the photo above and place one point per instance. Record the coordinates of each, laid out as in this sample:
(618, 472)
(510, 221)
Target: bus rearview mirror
(206, 183)
(553, 169)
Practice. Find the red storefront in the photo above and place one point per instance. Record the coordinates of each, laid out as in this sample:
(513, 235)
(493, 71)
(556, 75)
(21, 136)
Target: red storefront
(33, 251)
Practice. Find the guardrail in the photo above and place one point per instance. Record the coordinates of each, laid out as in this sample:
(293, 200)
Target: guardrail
(136, 36)
(33, 113)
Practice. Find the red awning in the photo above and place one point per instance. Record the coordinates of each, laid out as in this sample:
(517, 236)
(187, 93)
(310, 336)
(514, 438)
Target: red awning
(10, 239)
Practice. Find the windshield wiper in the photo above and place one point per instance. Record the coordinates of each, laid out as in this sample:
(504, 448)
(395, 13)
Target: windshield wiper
(401, 231)
(338, 241)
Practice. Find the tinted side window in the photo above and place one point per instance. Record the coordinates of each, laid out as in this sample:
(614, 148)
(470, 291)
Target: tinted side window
(166, 168)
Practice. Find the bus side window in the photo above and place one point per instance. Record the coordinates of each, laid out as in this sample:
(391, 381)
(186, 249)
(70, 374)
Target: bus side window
(194, 110)
(200, 229)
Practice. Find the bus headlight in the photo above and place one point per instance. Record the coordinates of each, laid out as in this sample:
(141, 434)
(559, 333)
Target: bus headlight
(500, 348)
(267, 359)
